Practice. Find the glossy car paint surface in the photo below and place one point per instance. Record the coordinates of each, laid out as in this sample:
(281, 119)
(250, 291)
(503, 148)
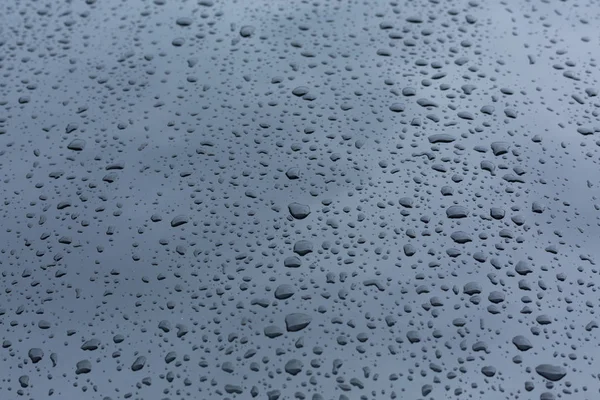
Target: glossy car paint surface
(223, 199)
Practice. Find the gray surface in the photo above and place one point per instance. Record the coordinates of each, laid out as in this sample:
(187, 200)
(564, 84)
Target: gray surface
(212, 140)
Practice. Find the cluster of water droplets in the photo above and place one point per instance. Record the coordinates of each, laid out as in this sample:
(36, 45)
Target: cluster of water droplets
(311, 200)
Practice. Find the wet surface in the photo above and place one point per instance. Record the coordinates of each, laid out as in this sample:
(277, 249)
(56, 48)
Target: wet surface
(312, 200)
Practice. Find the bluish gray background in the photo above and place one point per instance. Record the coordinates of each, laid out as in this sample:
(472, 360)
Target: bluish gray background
(201, 121)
